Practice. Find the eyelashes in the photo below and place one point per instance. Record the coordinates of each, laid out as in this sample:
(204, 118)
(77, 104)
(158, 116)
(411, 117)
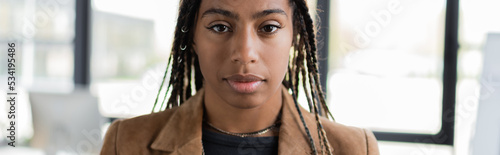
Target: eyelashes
(219, 28)
(268, 29)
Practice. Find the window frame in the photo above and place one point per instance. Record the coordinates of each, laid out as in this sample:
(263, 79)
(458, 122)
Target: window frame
(81, 72)
(445, 135)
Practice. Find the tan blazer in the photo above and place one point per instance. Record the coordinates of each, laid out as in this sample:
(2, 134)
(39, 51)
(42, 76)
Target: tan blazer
(177, 131)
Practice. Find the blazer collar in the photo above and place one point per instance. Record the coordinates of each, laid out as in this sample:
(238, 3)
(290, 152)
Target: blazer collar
(182, 132)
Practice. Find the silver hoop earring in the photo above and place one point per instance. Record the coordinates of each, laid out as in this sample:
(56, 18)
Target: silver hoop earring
(184, 29)
(183, 47)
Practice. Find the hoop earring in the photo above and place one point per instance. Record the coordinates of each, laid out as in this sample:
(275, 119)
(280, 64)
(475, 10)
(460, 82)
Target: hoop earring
(183, 47)
(184, 29)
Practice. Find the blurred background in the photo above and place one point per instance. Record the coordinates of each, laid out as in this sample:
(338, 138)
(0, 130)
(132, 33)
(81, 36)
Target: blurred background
(81, 64)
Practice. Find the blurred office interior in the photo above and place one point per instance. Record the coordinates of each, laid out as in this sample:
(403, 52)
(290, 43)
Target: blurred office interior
(81, 64)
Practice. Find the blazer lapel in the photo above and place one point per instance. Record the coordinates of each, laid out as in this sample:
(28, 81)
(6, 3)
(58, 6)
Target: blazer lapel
(292, 136)
(182, 133)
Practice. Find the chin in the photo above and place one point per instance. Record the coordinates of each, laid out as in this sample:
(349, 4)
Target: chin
(245, 103)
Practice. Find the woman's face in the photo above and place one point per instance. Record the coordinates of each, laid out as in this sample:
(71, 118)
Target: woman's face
(243, 48)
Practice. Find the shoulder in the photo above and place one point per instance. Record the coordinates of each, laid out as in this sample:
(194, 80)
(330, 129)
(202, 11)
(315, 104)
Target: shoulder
(147, 123)
(350, 140)
(137, 132)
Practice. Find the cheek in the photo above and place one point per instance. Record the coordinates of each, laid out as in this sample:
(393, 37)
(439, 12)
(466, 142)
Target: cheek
(277, 58)
(210, 58)
(208, 62)
(208, 50)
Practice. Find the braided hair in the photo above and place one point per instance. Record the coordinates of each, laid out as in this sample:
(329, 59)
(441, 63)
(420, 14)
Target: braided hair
(302, 69)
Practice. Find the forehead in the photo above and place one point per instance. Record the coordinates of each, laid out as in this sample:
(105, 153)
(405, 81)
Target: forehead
(245, 7)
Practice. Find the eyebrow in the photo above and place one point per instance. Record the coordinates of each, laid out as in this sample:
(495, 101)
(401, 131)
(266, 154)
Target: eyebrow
(235, 16)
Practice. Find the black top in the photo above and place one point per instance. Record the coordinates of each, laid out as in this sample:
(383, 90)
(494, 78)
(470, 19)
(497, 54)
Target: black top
(221, 144)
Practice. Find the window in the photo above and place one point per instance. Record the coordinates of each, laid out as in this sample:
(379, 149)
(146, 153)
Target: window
(371, 53)
(391, 69)
(387, 55)
(43, 32)
(131, 43)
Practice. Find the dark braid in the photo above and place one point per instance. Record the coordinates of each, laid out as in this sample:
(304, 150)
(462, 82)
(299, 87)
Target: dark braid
(182, 59)
(183, 66)
(308, 37)
(311, 141)
(313, 66)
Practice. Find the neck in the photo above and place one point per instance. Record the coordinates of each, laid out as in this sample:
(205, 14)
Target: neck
(242, 120)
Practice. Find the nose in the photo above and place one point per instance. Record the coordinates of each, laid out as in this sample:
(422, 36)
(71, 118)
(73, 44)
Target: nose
(245, 45)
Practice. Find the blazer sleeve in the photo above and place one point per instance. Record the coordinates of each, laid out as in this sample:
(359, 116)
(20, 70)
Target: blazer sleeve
(109, 144)
(371, 143)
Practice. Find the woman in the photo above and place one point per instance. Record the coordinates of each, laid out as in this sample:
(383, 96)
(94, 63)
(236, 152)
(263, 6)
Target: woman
(237, 54)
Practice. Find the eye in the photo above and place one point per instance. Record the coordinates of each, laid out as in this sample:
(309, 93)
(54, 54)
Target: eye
(270, 29)
(219, 28)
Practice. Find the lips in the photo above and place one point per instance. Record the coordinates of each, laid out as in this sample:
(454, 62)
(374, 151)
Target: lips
(244, 83)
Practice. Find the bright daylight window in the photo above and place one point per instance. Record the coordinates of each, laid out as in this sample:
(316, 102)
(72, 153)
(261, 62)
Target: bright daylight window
(43, 33)
(131, 43)
(385, 63)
